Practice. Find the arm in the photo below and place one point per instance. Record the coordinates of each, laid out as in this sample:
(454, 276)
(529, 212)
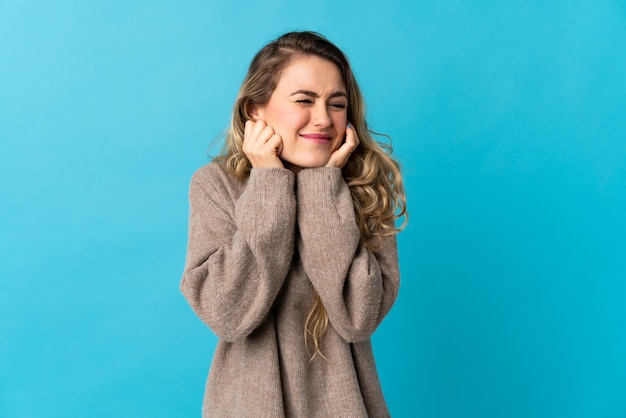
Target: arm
(356, 286)
(239, 251)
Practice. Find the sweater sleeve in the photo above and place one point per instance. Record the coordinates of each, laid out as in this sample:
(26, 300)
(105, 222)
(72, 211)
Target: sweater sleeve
(357, 287)
(239, 251)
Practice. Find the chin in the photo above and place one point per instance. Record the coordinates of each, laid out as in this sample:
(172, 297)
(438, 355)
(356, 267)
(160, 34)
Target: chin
(312, 163)
(309, 162)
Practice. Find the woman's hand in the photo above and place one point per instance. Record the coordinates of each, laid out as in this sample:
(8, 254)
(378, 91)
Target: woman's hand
(340, 156)
(262, 145)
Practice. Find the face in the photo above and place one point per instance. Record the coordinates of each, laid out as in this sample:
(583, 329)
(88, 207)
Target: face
(309, 110)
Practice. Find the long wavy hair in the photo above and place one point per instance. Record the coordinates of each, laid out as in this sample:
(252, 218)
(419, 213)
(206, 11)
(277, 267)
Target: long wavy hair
(372, 175)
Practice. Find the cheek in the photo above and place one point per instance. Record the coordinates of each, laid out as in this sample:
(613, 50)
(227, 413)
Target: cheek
(288, 119)
(296, 119)
(340, 120)
(339, 140)
(339, 124)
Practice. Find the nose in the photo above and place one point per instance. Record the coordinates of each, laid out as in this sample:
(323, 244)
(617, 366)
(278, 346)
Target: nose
(320, 116)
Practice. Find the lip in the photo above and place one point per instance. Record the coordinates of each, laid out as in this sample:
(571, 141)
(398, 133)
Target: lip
(317, 138)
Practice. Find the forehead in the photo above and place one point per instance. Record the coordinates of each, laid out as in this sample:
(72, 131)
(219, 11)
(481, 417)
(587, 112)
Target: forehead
(311, 73)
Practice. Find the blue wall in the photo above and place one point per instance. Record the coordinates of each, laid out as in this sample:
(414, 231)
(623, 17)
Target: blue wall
(508, 117)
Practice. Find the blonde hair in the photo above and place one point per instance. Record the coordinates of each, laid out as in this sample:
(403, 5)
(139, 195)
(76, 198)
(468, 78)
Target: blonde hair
(372, 175)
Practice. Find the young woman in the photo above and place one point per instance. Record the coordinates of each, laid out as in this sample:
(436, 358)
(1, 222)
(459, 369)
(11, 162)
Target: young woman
(292, 257)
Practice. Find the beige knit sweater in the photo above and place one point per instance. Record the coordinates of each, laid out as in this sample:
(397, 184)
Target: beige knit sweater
(257, 250)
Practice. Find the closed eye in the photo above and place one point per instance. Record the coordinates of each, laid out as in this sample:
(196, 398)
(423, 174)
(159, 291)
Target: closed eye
(305, 101)
(339, 105)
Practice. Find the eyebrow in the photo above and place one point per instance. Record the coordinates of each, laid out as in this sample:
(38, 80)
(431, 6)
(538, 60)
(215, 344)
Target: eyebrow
(315, 95)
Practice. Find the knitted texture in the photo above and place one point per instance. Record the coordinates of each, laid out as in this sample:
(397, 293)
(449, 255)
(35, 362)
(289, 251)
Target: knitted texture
(258, 250)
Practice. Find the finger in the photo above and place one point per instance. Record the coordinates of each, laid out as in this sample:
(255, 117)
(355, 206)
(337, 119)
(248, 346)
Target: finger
(262, 145)
(248, 126)
(247, 129)
(251, 131)
(260, 134)
(352, 140)
(275, 142)
(350, 144)
(340, 157)
(257, 128)
(256, 134)
(266, 134)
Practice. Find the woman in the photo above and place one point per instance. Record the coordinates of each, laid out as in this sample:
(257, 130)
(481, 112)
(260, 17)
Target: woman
(292, 257)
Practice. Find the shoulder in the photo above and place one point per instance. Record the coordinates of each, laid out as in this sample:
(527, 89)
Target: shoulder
(210, 171)
(215, 173)
(213, 179)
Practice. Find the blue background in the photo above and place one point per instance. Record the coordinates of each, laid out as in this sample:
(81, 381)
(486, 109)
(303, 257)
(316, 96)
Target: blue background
(508, 118)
